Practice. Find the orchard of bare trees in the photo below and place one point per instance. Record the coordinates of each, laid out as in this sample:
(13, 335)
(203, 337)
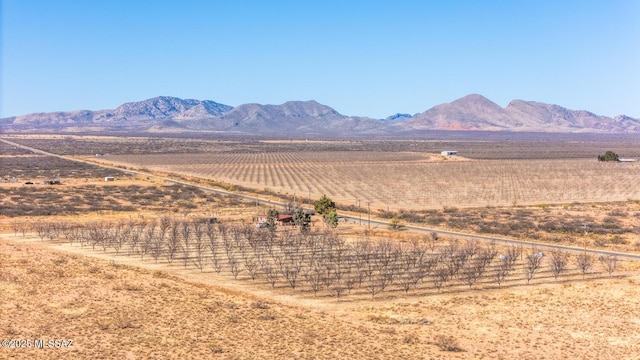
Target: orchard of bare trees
(324, 263)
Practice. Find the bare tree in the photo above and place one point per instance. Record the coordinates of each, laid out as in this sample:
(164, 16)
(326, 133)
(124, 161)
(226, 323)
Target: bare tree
(185, 230)
(251, 265)
(108, 235)
(456, 263)
(23, 228)
(71, 232)
(453, 257)
(212, 235)
(470, 248)
(373, 284)
(164, 226)
(501, 272)
(291, 271)
(158, 241)
(472, 271)
(512, 255)
(488, 253)
(408, 267)
(423, 268)
(558, 262)
(584, 262)
(41, 228)
(237, 235)
(338, 288)
(223, 230)
(135, 236)
(62, 227)
(336, 264)
(248, 259)
(228, 245)
(385, 265)
(361, 259)
(532, 264)
(441, 276)
(199, 244)
(249, 233)
(313, 274)
(120, 236)
(271, 273)
(15, 226)
(423, 263)
(96, 233)
(373, 267)
(341, 270)
(84, 235)
(52, 231)
(609, 262)
(234, 263)
(173, 241)
(147, 239)
(451, 249)
(350, 277)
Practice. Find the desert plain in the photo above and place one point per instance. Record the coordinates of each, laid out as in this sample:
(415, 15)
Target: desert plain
(115, 300)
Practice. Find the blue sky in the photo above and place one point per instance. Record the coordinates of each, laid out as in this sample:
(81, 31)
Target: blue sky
(368, 58)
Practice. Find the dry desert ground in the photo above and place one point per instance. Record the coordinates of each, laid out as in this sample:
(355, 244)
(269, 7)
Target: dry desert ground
(131, 309)
(115, 305)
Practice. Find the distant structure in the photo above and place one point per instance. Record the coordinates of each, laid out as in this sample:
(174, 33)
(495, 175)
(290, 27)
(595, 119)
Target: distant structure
(284, 219)
(626, 160)
(109, 178)
(449, 153)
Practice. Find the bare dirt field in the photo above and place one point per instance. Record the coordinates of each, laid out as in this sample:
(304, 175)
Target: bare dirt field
(122, 300)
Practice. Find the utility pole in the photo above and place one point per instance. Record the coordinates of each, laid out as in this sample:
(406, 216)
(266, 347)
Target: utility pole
(369, 212)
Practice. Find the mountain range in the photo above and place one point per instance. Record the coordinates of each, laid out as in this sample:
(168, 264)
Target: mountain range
(302, 118)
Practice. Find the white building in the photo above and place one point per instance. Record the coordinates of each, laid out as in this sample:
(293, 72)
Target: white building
(449, 153)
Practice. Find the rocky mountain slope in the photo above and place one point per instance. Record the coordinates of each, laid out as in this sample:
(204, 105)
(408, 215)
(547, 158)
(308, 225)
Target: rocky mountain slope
(475, 112)
(169, 114)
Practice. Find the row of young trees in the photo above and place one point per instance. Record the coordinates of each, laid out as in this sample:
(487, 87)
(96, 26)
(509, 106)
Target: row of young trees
(318, 261)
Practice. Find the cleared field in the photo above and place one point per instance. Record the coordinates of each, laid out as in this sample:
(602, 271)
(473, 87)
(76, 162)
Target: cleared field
(405, 180)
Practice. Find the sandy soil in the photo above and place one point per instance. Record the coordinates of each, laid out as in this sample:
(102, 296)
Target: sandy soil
(125, 308)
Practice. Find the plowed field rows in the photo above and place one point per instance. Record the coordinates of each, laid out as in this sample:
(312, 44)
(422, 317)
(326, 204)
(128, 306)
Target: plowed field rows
(402, 180)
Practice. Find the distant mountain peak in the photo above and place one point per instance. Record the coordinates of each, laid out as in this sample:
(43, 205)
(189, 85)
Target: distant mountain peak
(473, 97)
(475, 101)
(473, 112)
(397, 117)
(170, 107)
